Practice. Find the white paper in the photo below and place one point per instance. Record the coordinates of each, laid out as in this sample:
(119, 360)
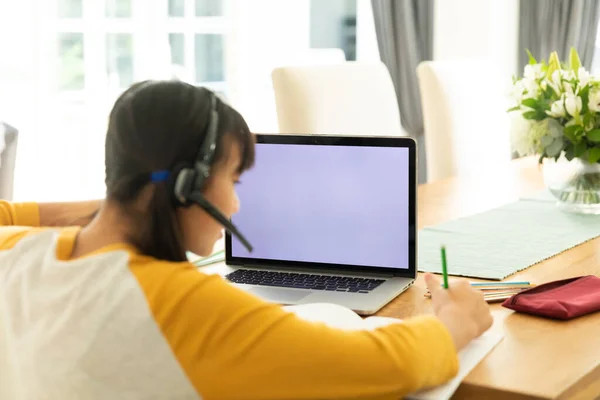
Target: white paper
(469, 357)
(343, 318)
(337, 316)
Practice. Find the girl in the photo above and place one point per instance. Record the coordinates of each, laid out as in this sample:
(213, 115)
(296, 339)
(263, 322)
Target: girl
(112, 310)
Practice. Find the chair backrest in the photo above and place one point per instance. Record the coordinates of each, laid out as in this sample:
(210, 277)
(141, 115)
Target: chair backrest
(464, 115)
(8, 159)
(349, 98)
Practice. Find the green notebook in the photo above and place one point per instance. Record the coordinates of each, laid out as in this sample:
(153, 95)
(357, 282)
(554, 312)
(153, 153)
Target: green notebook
(500, 242)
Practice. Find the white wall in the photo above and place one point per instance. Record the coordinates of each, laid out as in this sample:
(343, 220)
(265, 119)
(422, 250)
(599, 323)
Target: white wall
(19, 95)
(367, 48)
(17, 33)
(262, 34)
(478, 29)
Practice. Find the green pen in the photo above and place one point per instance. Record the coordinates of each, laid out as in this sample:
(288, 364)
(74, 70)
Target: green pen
(444, 267)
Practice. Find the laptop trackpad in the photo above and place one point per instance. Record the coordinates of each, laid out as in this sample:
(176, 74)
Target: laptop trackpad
(279, 295)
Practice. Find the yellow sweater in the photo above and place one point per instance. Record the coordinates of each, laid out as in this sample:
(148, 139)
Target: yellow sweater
(117, 324)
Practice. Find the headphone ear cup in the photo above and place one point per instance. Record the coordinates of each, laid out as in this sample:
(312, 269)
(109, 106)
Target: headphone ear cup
(182, 185)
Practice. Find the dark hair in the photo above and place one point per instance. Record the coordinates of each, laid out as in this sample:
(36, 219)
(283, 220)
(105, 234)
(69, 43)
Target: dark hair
(159, 125)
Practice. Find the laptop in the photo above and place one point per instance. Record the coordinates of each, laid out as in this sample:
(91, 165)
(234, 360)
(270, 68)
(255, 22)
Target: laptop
(331, 218)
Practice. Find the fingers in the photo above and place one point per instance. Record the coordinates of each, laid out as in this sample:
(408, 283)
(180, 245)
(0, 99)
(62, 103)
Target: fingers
(488, 322)
(433, 284)
(462, 283)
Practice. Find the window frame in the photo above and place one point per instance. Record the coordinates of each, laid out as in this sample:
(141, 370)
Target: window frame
(148, 25)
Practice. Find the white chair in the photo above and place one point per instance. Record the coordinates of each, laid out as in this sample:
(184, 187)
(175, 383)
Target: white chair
(464, 115)
(350, 98)
(7, 161)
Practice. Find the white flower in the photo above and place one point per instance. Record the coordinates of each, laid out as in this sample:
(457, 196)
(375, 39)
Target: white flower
(519, 135)
(533, 137)
(594, 100)
(531, 87)
(533, 72)
(573, 104)
(569, 88)
(556, 83)
(567, 75)
(557, 109)
(517, 91)
(584, 77)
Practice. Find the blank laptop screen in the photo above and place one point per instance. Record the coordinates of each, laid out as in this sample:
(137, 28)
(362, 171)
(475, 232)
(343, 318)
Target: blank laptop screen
(326, 204)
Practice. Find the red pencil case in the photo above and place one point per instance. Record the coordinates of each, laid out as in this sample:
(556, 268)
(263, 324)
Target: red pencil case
(564, 299)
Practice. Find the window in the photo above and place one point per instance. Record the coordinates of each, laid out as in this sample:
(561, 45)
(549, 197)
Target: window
(196, 36)
(119, 59)
(333, 25)
(118, 9)
(70, 9)
(90, 51)
(70, 58)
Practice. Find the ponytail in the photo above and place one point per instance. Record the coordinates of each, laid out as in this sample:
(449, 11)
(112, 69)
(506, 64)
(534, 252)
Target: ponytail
(159, 235)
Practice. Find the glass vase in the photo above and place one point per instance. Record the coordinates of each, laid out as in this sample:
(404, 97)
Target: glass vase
(575, 184)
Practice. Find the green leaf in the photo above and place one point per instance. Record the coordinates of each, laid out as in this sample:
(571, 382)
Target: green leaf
(555, 148)
(570, 154)
(515, 108)
(584, 155)
(532, 60)
(571, 132)
(537, 115)
(585, 96)
(546, 140)
(594, 135)
(587, 118)
(572, 129)
(555, 129)
(574, 61)
(530, 103)
(594, 155)
(580, 148)
(553, 64)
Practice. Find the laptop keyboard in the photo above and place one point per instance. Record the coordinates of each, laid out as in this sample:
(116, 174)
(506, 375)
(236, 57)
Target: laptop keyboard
(304, 281)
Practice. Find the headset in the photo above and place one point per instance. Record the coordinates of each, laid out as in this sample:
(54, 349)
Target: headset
(188, 180)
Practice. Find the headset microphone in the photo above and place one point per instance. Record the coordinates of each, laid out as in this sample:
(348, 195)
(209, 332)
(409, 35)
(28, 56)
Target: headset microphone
(216, 214)
(189, 179)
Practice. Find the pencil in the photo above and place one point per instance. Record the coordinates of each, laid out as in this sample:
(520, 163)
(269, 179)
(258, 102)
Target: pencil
(499, 283)
(444, 267)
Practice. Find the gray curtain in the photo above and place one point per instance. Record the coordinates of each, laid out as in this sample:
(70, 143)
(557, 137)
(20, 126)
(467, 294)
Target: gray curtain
(558, 25)
(405, 38)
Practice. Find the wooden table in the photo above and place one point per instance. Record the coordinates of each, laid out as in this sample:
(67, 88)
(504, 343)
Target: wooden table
(538, 358)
